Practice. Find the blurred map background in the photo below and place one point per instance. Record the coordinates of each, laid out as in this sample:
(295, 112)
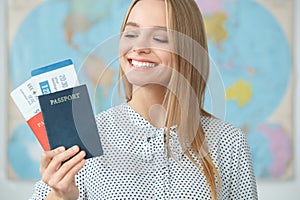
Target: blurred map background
(250, 42)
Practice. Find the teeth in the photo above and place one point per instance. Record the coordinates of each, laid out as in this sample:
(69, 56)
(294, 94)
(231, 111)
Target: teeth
(142, 64)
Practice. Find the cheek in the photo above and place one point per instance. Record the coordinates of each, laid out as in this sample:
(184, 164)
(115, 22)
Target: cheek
(168, 70)
(166, 58)
(123, 63)
(124, 46)
(166, 76)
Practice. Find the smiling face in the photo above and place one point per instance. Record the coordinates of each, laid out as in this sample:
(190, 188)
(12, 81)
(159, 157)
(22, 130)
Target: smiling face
(145, 55)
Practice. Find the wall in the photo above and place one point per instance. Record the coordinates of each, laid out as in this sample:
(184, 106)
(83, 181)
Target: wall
(289, 189)
(8, 189)
(267, 190)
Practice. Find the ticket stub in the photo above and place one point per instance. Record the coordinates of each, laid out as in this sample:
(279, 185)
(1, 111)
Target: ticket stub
(44, 80)
(55, 77)
(26, 100)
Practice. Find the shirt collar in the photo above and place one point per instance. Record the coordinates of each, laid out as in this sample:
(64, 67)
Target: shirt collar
(153, 132)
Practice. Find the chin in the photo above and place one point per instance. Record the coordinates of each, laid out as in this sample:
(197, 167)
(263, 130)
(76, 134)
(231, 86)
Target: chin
(147, 81)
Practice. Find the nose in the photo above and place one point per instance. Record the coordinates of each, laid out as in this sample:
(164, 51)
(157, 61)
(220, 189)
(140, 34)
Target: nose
(141, 50)
(141, 45)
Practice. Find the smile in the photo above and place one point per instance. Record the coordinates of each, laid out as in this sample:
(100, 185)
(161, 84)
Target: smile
(142, 65)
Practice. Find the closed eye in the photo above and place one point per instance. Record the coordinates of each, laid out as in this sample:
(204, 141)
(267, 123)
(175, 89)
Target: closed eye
(129, 35)
(161, 40)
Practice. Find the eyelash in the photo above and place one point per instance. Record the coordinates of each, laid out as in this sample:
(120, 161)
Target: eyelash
(160, 40)
(156, 39)
(130, 35)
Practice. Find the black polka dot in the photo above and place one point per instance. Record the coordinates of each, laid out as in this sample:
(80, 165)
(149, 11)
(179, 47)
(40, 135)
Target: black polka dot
(135, 164)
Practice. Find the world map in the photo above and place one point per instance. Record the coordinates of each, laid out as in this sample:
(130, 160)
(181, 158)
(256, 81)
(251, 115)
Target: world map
(246, 43)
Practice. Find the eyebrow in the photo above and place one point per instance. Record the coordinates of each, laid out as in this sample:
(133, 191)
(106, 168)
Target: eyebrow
(136, 25)
(132, 24)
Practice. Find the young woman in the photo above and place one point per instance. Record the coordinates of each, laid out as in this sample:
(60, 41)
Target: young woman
(160, 144)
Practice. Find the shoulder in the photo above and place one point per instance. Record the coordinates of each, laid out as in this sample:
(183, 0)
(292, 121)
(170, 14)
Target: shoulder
(217, 130)
(226, 142)
(110, 115)
(115, 110)
(230, 151)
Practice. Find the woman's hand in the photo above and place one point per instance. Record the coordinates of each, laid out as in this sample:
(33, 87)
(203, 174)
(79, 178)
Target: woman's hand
(58, 169)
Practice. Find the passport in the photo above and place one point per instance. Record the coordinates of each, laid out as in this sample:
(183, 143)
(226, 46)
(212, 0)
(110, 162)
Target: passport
(69, 120)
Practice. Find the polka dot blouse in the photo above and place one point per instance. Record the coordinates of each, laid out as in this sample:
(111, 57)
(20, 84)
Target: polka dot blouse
(135, 164)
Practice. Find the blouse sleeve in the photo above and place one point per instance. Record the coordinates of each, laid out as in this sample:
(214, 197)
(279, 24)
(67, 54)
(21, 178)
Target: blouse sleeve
(243, 183)
(41, 189)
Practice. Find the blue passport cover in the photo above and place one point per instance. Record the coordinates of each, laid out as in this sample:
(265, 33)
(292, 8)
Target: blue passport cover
(69, 120)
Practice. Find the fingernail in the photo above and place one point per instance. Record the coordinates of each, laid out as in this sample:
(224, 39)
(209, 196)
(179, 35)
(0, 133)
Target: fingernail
(82, 153)
(74, 148)
(60, 148)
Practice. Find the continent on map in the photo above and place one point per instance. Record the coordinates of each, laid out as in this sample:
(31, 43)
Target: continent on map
(241, 92)
(215, 29)
(210, 7)
(99, 73)
(280, 145)
(83, 16)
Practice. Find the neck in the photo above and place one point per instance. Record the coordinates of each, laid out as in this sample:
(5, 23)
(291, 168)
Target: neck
(148, 102)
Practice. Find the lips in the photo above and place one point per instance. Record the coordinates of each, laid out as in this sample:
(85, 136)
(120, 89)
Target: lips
(141, 65)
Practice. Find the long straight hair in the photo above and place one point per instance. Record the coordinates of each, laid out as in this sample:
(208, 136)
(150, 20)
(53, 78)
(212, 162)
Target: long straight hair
(184, 98)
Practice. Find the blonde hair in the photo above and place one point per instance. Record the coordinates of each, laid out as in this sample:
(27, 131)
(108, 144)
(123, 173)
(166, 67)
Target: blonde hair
(185, 95)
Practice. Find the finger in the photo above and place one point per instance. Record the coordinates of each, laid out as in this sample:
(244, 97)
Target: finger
(68, 182)
(69, 169)
(62, 157)
(47, 156)
(57, 160)
(70, 176)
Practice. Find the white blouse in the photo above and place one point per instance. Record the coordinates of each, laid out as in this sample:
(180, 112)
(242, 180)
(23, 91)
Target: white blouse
(135, 164)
